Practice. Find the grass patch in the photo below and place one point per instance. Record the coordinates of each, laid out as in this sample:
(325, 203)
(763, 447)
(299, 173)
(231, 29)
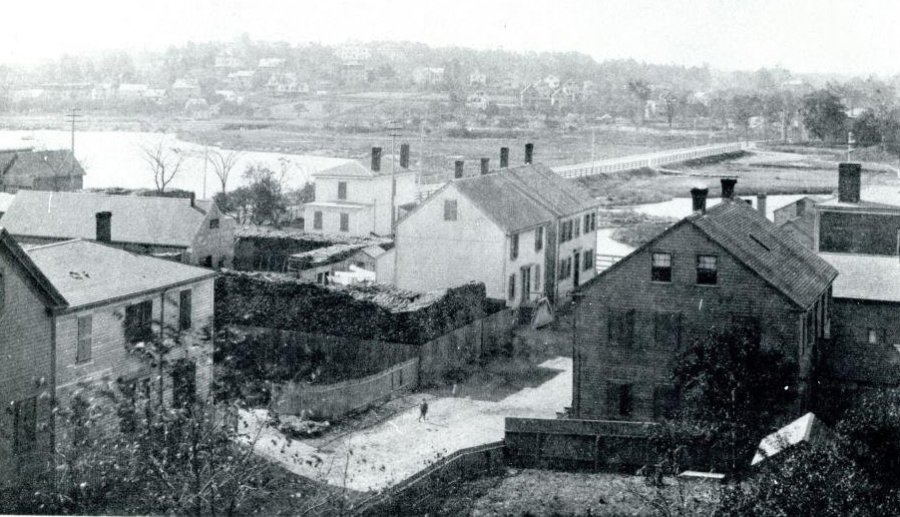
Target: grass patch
(712, 160)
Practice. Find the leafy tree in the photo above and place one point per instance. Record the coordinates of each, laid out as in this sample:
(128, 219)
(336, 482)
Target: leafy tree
(742, 107)
(262, 201)
(641, 92)
(867, 129)
(824, 115)
(736, 388)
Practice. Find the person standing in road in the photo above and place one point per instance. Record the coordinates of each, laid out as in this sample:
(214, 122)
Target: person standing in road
(423, 410)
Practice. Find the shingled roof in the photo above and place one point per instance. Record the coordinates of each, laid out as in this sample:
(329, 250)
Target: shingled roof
(502, 201)
(162, 221)
(554, 192)
(39, 164)
(777, 257)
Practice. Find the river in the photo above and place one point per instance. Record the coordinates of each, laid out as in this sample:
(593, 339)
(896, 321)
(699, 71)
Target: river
(116, 159)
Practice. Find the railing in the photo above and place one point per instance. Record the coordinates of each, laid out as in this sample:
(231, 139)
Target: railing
(604, 262)
(626, 163)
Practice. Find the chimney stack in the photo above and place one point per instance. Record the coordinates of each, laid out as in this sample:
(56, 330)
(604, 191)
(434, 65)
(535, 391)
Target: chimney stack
(504, 157)
(728, 188)
(801, 206)
(376, 159)
(761, 203)
(485, 165)
(699, 197)
(458, 169)
(404, 156)
(849, 182)
(104, 226)
(529, 153)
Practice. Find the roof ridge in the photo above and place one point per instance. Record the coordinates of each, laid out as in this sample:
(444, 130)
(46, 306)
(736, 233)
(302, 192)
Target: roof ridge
(54, 244)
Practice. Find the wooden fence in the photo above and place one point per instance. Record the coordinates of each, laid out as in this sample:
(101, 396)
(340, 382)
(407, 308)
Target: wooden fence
(604, 262)
(627, 163)
(412, 494)
(334, 400)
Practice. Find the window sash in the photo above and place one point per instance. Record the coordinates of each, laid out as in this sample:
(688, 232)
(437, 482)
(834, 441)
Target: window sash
(342, 190)
(317, 220)
(538, 238)
(345, 222)
(450, 210)
(512, 287)
(514, 246)
(707, 269)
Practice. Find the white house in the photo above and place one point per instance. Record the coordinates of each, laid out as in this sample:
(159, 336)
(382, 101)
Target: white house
(524, 232)
(353, 199)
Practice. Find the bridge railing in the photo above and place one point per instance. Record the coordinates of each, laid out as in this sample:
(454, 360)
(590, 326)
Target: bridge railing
(626, 163)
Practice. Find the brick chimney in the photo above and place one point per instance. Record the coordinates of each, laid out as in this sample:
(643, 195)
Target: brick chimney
(728, 188)
(504, 157)
(761, 203)
(458, 169)
(698, 195)
(104, 226)
(801, 206)
(849, 182)
(529, 153)
(376, 159)
(485, 165)
(404, 156)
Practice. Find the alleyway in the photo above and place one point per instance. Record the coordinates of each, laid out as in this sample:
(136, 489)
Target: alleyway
(382, 455)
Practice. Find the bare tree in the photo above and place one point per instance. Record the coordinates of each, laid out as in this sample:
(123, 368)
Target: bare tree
(223, 162)
(164, 163)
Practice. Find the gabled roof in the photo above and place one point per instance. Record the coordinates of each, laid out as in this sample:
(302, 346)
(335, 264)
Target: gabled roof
(5, 201)
(360, 169)
(772, 254)
(163, 221)
(52, 297)
(555, 193)
(503, 202)
(88, 272)
(39, 164)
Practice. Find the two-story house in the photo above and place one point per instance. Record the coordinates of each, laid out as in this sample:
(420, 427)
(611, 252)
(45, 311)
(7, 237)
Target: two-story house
(195, 232)
(524, 232)
(353, 199)
(27, 169)
(726, 267)
(70, 315)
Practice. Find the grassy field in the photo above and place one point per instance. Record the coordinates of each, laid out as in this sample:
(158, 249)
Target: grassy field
(543, 492)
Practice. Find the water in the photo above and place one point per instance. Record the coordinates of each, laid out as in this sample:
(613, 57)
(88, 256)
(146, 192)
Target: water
(116, 159)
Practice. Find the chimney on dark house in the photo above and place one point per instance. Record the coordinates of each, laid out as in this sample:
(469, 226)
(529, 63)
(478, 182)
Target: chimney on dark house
(728, 188)
(698, 195)
(504, 157)
(104, 226)
(376, 159)
(761, 203)
(849, 182)
(458, 169)
(529, 153)
(404, 156)
(485, 165)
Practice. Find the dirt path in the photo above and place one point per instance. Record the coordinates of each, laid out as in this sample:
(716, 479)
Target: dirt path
(382, 455)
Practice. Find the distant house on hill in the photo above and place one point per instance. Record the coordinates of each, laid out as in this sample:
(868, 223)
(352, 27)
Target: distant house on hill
(524, 232)
(40, 170)
(355, 199)
(194, 232)
(726, 268)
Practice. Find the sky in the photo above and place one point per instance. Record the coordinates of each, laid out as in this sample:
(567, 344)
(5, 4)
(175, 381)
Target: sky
(806, 36)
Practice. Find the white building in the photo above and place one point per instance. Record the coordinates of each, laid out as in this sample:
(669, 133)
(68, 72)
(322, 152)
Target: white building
(524, 232)
(355, 199)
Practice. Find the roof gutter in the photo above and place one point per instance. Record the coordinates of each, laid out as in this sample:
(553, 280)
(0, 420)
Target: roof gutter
(117, 299)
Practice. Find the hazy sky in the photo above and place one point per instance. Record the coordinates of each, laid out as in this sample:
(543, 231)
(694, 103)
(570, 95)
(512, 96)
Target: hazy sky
(854, 37)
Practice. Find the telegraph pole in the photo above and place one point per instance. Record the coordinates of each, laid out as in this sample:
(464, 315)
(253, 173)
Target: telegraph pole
(72, 117)
(394, 129)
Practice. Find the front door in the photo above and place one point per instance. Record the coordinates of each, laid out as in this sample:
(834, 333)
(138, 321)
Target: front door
(526, 283)
(576, 268)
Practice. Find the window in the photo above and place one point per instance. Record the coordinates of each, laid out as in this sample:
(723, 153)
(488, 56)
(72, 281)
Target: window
(707, 270)
(537, 277)
(138, 326)
(207, 261)
(565, 268)
(512, 287)
(514, 246)
(539, 238)
(83, 352)
(667, 329)
(587, 223)
(184, 309)
(322, 278)
(2, 291)
(661, 267)
(588, 260)
(25, 425)
(317, 220)
(577, 223)
(593, 221)
(620, 325)
(872, 336)
(342, 190)
(450, 213)
(214, 223)
(619, 400)
(345, 222)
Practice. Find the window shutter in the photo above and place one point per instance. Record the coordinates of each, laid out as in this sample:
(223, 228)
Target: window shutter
(184, 310)
(83, 353)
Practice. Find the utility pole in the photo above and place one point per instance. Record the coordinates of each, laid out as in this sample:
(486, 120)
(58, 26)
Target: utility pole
(72, 117)
(394, 129)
